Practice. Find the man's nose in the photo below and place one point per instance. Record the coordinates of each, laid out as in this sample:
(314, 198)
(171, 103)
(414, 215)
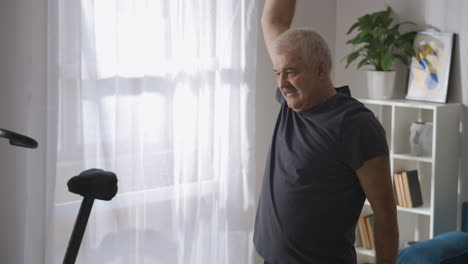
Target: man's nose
(283, 81)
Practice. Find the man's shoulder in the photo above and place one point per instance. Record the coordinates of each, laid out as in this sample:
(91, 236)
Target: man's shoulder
(350, 106)
(343, 90)
(348, 103)
(353, 111)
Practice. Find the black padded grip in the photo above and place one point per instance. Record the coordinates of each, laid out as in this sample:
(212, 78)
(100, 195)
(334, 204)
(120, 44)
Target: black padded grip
(94, 183)
(19, 140)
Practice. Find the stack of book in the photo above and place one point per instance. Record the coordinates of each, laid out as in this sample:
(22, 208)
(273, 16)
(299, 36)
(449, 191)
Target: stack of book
(366, 230)
(407, 189)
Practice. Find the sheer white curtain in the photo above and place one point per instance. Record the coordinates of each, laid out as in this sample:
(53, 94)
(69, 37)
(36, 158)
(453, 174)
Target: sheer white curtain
(160, 92)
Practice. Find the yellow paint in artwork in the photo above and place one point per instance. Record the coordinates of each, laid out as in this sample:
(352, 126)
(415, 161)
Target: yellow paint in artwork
(418, 78)
(429, 56)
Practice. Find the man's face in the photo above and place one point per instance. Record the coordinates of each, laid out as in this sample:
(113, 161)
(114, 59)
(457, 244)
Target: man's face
(298, 83)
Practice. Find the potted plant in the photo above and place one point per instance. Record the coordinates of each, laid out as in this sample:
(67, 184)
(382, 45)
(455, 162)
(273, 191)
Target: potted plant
(379, 43)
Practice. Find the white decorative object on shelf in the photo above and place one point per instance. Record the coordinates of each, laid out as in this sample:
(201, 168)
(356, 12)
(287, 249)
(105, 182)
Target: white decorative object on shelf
(420, 138)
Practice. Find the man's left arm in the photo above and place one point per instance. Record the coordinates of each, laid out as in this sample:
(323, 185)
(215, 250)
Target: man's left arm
(374, 176)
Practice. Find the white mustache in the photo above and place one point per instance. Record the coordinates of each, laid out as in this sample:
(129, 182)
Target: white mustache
(289, 89)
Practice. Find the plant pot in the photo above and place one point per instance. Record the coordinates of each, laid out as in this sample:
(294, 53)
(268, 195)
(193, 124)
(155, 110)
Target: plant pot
(381, 84)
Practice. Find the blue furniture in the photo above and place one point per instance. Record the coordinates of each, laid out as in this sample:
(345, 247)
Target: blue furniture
(446, 248)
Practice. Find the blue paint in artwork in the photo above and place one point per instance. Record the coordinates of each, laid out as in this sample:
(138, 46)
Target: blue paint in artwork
(425, 59)
(423, 63)
(431, 81)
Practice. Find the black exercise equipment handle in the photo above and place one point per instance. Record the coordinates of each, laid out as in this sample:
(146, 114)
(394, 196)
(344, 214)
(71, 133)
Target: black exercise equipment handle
(78, 230)
(18, 139)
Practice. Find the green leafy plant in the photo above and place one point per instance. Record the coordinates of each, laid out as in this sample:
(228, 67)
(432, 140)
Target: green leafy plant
(378, 42)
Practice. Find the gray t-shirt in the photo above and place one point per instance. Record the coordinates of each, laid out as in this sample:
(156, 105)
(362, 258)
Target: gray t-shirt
(311, 197)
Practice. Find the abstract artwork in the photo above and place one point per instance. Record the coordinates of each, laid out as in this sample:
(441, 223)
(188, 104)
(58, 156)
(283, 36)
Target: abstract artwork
(430, 68)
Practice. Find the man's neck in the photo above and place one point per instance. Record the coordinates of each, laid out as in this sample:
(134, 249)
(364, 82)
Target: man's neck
(321, 97)
(326, 93)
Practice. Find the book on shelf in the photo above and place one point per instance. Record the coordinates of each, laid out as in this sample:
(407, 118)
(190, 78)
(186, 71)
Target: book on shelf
(414, 187)
(395, 195)
(363, 232)
(400, 190)
(358, 239)
(408, 188)
(366, 231)
(396, 189)
(370, 229)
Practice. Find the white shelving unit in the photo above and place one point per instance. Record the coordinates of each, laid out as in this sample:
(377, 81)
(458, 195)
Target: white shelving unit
(438, 173)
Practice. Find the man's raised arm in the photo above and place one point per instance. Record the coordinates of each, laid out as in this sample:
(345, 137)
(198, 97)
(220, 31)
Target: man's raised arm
(276, 18)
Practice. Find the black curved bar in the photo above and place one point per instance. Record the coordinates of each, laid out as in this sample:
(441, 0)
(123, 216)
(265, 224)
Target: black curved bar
(78, 231)
(18, 139)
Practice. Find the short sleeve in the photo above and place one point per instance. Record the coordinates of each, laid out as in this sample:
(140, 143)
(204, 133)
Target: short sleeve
(363, 138)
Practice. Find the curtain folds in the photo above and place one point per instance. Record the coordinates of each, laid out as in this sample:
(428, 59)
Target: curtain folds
(162, 93)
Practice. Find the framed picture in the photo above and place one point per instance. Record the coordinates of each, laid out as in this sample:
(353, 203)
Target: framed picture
(429, 70)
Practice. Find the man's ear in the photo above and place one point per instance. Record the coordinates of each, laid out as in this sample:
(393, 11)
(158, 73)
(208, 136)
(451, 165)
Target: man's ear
(323, 70)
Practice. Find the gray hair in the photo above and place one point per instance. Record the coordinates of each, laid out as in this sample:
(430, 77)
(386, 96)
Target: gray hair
(312, 45)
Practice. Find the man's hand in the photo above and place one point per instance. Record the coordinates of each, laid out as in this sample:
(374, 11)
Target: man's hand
(376, 182)
(276, 18)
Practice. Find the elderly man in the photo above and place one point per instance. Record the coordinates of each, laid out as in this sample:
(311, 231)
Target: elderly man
(328, 153)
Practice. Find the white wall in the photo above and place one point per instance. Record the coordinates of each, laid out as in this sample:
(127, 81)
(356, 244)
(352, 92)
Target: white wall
(439, 14)
(22, 109)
